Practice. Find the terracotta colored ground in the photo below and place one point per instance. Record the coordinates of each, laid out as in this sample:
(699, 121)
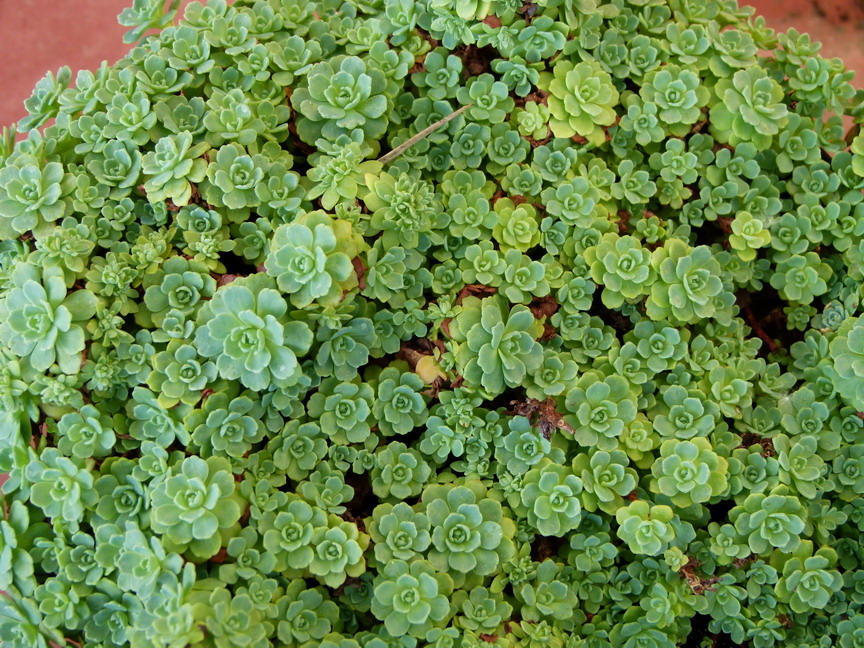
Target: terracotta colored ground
(838, 24)
(41, 35)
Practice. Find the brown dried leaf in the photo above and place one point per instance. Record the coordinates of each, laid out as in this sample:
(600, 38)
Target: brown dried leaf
(360, 270)
(225, 279)
(544, 307)
(542, 414)
(475, 290)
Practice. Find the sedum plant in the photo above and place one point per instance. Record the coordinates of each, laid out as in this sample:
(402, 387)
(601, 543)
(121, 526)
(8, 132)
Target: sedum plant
(192, 504)
(435, 324)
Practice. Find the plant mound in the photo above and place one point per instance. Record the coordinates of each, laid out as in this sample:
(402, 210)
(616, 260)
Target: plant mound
(445, 323)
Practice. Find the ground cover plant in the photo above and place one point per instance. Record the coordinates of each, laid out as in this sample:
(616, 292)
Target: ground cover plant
(445, 323)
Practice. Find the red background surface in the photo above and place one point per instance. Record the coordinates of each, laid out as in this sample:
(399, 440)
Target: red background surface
(41, 35)
(37, 36)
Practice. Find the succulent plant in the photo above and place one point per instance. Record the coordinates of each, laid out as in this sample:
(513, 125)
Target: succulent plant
(551, 495)
(192, 504)
(310, 260)
(600, 409)
(622, 267)
(496, 348)
(172, 167)
(775, 520)
(59, 487)
(287, 534)
(42, 322)
(847, 352)
(245, 327)
(337, 552)
(340, 97)
(85, 434)
(411, 598)
(399, 404)
(808, 580)
(399, 472)
(180, 375)
(646, 528)
(178, 287)
(345, 409)
(469, 532)
(226, 425)
(606, 479)
(399, 532)
(435, 323)
(750, 109)
(689, 472)
(582, 99)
